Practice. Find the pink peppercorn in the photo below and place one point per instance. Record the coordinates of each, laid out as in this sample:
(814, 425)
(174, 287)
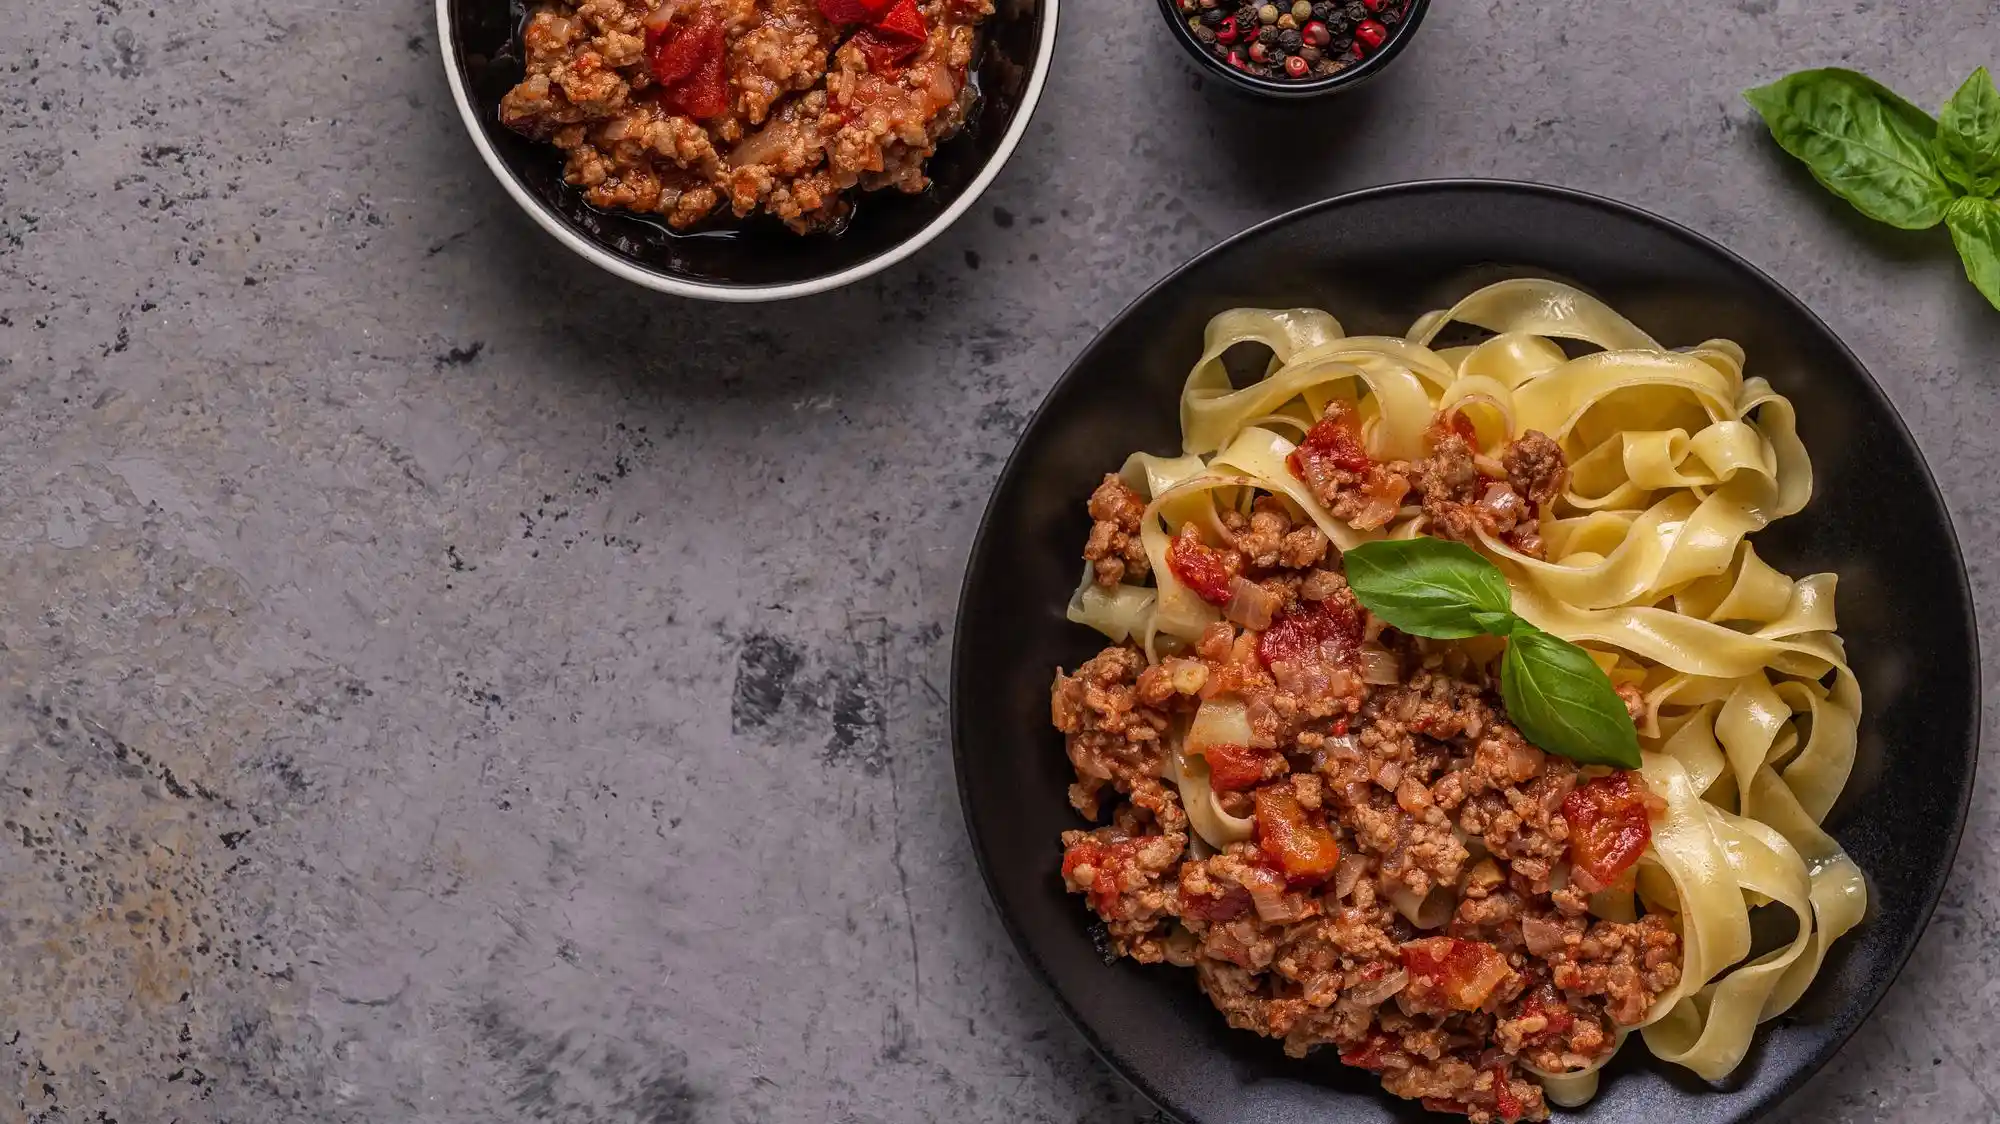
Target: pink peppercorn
(1295, 66)
(1317, 34)
(1371, 33)
(1227, 32)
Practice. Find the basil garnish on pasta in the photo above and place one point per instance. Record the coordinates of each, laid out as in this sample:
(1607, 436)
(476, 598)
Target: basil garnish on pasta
(1558, 696)
(1430, 587)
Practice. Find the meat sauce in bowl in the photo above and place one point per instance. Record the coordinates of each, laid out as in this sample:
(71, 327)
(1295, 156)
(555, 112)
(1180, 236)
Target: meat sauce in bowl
(784, 108)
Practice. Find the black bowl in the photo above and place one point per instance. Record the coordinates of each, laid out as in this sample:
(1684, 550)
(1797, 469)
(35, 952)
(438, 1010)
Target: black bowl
(1347, 79)
(759, 259)
(1376, 258)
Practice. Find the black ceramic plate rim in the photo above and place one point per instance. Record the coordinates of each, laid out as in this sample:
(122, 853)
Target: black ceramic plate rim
(1851, 1016)
(746, 294)
(1347, 79)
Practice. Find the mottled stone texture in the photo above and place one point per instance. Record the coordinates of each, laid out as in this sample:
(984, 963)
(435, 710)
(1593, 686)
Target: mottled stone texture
(443, 683)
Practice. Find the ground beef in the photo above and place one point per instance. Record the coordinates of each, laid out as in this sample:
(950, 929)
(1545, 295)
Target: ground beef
(1114, 549)
(1459, 492)
(809, 117)
(1445, 817)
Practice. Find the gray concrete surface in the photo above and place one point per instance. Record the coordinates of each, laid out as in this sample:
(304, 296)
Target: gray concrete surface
(444, 684)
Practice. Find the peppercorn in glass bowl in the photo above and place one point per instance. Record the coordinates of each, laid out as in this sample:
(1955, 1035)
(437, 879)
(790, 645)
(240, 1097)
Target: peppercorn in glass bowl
(1294, 48)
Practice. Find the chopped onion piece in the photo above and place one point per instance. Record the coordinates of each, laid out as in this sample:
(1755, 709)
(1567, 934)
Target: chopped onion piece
(1370, 992)
(1379, 666)
(1250, 604)
(1541, 935)
(1352, 865)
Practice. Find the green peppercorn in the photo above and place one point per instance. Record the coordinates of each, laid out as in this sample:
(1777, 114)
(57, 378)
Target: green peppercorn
(1286, 20)
(1269, 13)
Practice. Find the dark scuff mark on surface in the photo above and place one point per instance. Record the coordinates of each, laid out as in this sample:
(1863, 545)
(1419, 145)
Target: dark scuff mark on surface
(646, 1085)
(860, 727)
(460, 356)
(782, 687)
(767, 670)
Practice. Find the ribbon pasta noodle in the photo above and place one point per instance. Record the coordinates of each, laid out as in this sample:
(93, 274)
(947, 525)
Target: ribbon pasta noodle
(1676, 458)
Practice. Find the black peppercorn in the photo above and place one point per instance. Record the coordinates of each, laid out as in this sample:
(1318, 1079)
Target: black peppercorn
(1213, 17)
(1356, 11)
(1290, 40)
(1268, 36)
(1324, 10)
(1341, 45)
(1246, 17)
(1390, 17)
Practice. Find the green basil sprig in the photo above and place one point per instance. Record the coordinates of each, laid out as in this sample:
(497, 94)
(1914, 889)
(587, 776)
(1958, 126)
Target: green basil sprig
(1555, 693)
(1895, 162)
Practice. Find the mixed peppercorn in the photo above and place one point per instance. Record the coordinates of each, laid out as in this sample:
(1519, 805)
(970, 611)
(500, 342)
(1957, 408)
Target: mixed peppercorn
(1298, 39)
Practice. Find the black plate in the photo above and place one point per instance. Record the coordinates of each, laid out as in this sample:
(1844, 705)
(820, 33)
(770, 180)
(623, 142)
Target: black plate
(1376, 259)
(484, 46)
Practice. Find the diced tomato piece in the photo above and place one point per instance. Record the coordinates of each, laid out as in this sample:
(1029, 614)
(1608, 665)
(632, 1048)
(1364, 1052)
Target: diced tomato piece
(1234, 903)
(1609, 828)
(1303, 849)
(688, 63)
(1505, 1104)
(1371, 1054)
(1545, 1002)
(1235, 768)
(1328, 631)
(885, 55)
(1334, 441)
(675, 53)
(1106, 859)
(705, 94)
(1453, 973)
(1201, 567)
(1462, 425)
(902, 21)
(852, 11)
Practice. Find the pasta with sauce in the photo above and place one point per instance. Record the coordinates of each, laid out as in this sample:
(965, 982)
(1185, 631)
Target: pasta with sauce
(1618, 491)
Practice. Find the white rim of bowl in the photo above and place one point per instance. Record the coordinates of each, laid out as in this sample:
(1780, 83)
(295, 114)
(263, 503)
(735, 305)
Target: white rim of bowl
(748, 294)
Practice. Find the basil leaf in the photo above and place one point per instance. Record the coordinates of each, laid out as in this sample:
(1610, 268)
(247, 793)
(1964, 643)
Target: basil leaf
(1968, 136)
(1975, 230)
(1562, 702)
(1430, 587)
(1864, 143)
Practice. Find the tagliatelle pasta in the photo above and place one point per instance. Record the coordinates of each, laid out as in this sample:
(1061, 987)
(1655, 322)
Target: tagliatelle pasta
(1745, 705)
